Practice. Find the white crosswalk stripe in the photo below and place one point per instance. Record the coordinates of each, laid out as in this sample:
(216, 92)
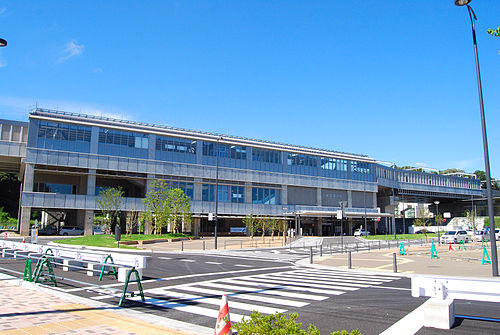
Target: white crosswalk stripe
(266, 293)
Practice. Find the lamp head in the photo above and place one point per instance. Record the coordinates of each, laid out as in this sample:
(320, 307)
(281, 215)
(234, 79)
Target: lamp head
(462, 2)
(3, 43)
(436, 202)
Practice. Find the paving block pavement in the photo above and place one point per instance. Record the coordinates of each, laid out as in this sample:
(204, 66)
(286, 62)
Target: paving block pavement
(30, 309)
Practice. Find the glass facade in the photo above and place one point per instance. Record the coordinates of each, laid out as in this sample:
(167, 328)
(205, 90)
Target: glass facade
(175, 149)
(229, 155)
(227, 193)
(54, 188)
(267, 196)
(302, 164)
(123, 143)
(266, 160)
(63, 136)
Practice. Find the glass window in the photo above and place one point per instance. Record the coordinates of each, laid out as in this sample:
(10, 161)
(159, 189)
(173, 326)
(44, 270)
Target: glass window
(268, 196)
(226, 193)
(123, 143)
(226, 151)
(54, 188)
(175, 145)
(266, 156)
(62, 136)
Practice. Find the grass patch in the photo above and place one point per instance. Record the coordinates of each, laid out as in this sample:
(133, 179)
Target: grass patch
(400, 236)
(108, 241)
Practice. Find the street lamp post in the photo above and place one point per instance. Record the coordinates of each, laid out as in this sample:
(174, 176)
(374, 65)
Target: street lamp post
(494, 258)
(438, 223)
(342, 204)
(216, 191)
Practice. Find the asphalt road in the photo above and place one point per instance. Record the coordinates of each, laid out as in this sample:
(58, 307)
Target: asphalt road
(188, 287)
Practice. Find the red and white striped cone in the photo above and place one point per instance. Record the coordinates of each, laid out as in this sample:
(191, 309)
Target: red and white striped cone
(450, 248)
(223, 325)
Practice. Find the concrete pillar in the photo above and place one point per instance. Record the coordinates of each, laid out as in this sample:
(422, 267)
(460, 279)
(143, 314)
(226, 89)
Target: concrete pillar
(88, 222)
(284, 195)
(91, 182)
(318, 197)
(94, 140)
(374, 201)
(198, 194)
(24, 227)
(29, 174)
(248, 193)
(349, 198)
(196, 226)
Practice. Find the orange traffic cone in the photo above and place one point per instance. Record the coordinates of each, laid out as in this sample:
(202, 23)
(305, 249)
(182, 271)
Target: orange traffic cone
(223, 325)
(24, 240)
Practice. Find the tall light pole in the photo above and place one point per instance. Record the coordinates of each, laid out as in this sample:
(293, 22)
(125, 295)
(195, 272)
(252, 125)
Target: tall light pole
(494, 258)
(216, 191)
(438, 223)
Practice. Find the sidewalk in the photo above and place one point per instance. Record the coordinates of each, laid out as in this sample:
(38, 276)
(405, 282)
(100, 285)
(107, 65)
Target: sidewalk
(30, 309)
(466, 263)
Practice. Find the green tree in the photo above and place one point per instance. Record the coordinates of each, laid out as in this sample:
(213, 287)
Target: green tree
(178, 208)
(422, 219)
(251, 223)
(109, 201)
(156, 210)
(487, 222)
(494, 32)
(264, 224)
(452, 171)
(9, 197)
(469, 214)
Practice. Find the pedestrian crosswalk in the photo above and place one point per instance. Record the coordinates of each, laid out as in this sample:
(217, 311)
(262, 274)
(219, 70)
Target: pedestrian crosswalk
(282, 255)
(268, 293)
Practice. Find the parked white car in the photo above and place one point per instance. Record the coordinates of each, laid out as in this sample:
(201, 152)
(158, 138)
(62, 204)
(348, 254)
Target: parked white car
(481, 235)
(455, 236)
(359, 232)
(71, 231)
(497, 234)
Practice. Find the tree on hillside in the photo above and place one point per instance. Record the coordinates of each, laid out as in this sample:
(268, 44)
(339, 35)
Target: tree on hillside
(447, 171)
(481, 175)
(109, 201)
(178, 208)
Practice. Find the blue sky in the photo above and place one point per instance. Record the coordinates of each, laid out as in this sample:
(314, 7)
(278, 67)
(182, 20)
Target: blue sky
(394, 80)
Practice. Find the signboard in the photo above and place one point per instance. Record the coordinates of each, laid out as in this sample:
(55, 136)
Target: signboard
(210, 216)
(34, 236)
(339, 214)
(238, 229)
(447, 215)
(410, 213)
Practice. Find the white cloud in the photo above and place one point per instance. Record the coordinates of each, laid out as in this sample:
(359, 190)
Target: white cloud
(3, 62)
(71, 49)
(12, 107)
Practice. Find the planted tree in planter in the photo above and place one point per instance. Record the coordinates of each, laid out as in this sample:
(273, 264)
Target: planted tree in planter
(178, 208)
(109, 201)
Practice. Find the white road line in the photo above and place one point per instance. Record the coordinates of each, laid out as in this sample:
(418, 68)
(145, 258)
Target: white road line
(309, 283)
(244, 266)
(211, 313)
(246, 296)
(187, 260)
(214, 263)
(331, 279)
(216, 302)
(342, 275)
(279, 292)
(258, 283)
(164, 258)
(187, 276)
(350, 274)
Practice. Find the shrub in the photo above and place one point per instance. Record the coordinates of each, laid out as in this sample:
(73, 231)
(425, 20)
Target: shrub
(278, 324)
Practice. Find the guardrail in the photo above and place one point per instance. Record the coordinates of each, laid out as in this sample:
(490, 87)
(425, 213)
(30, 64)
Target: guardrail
(439, 312)
(68, 256)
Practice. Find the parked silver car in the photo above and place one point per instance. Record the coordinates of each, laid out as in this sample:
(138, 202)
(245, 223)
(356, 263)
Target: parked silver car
(455, 236)
(71, 231)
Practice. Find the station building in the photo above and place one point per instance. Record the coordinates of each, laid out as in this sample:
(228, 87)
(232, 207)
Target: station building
(65, 159)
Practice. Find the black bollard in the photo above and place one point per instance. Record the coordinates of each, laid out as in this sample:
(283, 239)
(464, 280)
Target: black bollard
(378, 244)
(182, 245)
(349, 260)
(311, 255)
(321, 250)
(203, 245)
